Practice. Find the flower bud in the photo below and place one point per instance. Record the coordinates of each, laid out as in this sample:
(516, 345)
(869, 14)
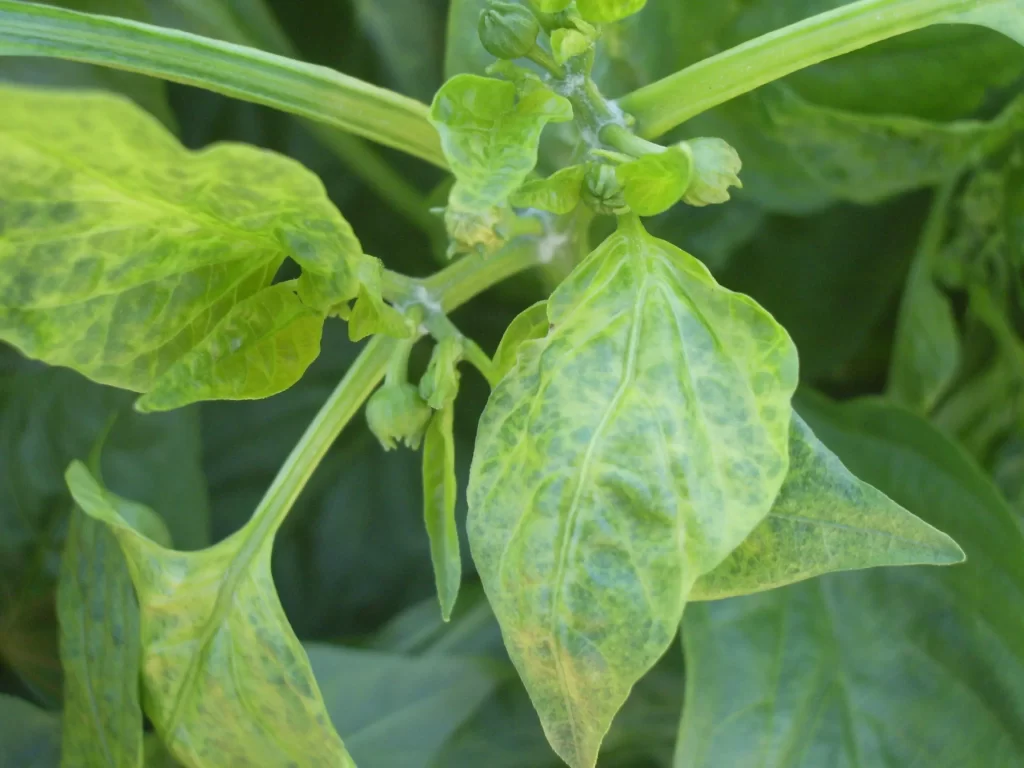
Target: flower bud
(397, 412)
(508, 30)
(602, 190)
(716, 166)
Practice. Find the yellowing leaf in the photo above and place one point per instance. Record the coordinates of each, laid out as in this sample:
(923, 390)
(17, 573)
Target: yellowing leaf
(604, 11)
(225, 680)
(490, 136)
(824, 520)
(531, 323)
(628, 452)
(654, 183)
(262, 346)
(439, 496)
(121, 251)
(558, 193)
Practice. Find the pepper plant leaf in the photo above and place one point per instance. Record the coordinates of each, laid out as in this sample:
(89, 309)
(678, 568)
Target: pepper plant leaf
(262, 346)
(1006, 16)
(558, 193)
(121, 251)
(531, 323)
(100, 646)
(654, 183)
(215, 639)
(440, 490)
(490, 135)
(29, 735)
(826, 672)
(824, 520)
(604, 11)
(625, 455)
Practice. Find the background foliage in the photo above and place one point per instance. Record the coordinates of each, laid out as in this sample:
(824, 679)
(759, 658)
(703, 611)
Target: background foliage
(880, 223)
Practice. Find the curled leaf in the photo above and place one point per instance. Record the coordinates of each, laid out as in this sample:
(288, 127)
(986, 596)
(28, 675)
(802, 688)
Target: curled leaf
(654, 183)
(716, 167)
(439, 496)
(531, 323)
(440, 384)
(558, 193)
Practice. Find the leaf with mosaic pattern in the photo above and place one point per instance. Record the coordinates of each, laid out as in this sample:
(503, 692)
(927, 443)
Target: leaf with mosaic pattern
(215, 640)
(626, 453)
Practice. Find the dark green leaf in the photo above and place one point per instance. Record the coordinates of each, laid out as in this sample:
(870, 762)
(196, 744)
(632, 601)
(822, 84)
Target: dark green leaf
(193, 234)
(214, 639)
(888, 667)
(406, 33)
(29, 737)
(397, 711)
(657, 396)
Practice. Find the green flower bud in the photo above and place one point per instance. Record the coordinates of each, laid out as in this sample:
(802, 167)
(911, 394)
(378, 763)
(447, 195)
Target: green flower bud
(397, 412)
(507, 30)
(602, 190)
(716, 167)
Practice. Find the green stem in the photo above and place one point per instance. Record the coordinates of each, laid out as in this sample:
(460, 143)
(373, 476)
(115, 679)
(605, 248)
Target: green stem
(668, 102)
(454, 286)
(310, 91)
(626, 141)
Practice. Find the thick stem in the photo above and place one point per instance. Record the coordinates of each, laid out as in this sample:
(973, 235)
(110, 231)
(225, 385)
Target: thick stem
(668, 102)
(454, 286)
(626, 141)
(314, 92)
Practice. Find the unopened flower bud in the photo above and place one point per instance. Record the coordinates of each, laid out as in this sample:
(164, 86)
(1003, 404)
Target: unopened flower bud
(508, 30)
(602, 190)
(396, 412)
(716, 167)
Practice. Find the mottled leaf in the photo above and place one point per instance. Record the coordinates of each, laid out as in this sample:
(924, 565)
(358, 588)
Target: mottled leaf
(439, 495)
(604, 462)
(558, 193)
(29, 736)
(397, 711)
(654, 183)
(824, 519)
(224, 678)
(490, 135)
(121, 251)
(261, 347)
(887, 667)
(531, 323)
(604, 11)
(100, 645)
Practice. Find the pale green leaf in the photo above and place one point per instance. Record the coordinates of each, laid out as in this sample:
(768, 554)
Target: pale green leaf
(29, 736)
(121, 250)
(215, 640)
(490, 136)
(886, 668)
(440, 384)
(569, 43)
(558, 193)
(261, 347)
(100, 645)
(550, 6)
(626, 454)
(371, 314)
(654, 183)
(398, 711)
(604, 11)
(824, 519)
(531, 323)
(440, 491)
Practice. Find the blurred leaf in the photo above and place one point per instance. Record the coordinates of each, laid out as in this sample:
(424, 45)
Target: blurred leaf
(122, 303)
(100, 645)
(29, 737)
(464, 53)
(397, 711)
(49, 417)
(827, 278)
(214, 639)
(899, 667)
(407, 34)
